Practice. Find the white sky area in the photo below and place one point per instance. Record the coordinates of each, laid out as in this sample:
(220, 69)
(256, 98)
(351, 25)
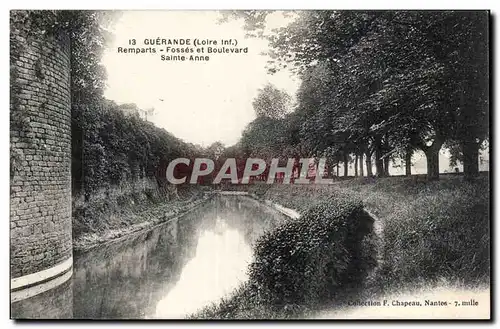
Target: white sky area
(203, 102)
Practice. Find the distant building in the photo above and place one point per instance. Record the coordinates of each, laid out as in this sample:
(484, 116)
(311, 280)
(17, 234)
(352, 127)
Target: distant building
(130, 109)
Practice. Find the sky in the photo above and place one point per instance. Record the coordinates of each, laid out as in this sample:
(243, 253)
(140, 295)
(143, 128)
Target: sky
(203, 102)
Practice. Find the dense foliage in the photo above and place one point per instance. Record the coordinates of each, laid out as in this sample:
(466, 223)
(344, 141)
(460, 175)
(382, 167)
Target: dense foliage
(310, 259)
(88, 34)
(110, 146)
(381, 84)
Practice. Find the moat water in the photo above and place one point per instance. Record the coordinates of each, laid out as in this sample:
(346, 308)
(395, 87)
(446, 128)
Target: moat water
(168, 272)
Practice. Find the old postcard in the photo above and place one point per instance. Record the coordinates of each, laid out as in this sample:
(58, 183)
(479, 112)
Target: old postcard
(256, 164)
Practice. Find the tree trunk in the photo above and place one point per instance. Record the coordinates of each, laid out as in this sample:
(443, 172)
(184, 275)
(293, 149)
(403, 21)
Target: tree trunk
(379, 162)
(369, 170)
(432, 155)
(470, 150)
(346, 165)
(356, 166)
(408, 156)
(387, 164)
(338, 169)
(361, 169)
(432, 163)
(329, 170)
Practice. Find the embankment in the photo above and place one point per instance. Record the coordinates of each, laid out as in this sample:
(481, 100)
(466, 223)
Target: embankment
(430, 230)
(130, 207)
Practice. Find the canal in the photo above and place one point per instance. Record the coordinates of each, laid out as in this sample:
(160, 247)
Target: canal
(170, 271)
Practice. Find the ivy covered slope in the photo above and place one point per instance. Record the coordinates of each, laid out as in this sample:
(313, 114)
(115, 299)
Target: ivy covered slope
(110, 146)
(119, 173)
(119, 181)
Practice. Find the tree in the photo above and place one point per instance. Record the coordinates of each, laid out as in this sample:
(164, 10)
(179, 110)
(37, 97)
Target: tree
(271, 102)
(467, 71)
(268, 135)
(387, 82)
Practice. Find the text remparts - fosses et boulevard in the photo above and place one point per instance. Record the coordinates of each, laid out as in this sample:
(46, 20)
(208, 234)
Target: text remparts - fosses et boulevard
(182, 46)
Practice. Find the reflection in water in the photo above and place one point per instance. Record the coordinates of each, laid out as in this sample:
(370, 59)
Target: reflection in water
(221, 257)
(169, 271)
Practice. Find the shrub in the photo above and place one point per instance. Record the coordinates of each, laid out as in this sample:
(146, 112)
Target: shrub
(307, 260)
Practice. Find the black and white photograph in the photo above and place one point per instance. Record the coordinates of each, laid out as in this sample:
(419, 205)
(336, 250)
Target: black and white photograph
(250, 164)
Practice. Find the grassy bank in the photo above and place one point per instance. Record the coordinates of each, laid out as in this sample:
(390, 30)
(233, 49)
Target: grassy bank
(105, 219)
(430, 232)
